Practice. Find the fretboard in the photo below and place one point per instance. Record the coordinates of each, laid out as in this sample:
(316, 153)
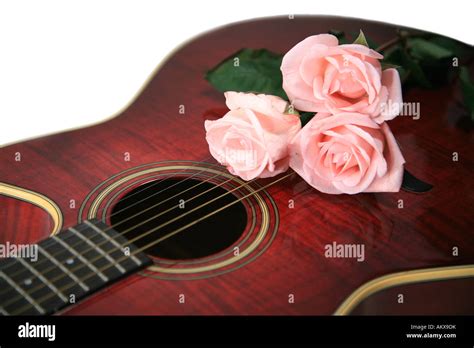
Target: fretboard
(71, 265)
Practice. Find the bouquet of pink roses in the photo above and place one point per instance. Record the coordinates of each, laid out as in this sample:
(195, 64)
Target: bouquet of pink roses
(345, 147)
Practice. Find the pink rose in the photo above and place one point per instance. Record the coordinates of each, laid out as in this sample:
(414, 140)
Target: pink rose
(347, 153)
(252, 138)
(320, 75)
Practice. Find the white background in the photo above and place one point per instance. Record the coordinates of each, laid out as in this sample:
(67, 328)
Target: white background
(65, 64)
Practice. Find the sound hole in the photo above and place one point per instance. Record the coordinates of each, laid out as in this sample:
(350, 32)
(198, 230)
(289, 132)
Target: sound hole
(156, 203)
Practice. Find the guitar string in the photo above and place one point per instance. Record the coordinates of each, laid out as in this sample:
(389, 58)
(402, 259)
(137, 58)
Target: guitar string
(22, 270)
(138, 237)
(122, 233)
(140, 201)
(119, 223)
(306, 190)
(149, 245)
(156, 183)
(147, 188)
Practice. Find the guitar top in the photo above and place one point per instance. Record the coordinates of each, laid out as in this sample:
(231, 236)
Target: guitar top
(208, 242)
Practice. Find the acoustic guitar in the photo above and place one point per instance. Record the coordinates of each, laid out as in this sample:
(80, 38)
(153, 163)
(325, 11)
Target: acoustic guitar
(134, 216)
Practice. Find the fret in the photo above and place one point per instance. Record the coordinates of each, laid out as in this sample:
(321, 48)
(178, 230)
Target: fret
(83, 260)
(43, 279)
(116, 244)
(112, 241)
(99, 249)
(29, 277)
(62, 268)
(25, 295)
(37, 289)
(71, 265)
(92, 254)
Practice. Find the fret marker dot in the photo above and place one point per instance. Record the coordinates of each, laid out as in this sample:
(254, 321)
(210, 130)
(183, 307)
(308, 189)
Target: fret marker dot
(27, 282)
(70, 261)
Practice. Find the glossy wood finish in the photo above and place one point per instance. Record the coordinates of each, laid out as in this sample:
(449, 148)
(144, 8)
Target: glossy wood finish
(21, 221)
(422, 234)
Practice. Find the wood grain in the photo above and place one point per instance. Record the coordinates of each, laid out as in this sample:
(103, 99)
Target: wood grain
(422, 234)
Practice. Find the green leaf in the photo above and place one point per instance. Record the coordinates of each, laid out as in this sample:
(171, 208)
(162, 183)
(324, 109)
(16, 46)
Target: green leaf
(337, 33)
(341, 36)
(404, 74)
(415, 71)
(467, 88)
(305, 117)
(343, 41)
(361, 40)
(290, 110)
(249, 70)
(410, 70)
(423, 49)
(370, 43)
(459, 49)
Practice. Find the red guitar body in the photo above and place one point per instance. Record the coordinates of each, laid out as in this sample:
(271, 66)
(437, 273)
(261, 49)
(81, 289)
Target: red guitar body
(280, 264)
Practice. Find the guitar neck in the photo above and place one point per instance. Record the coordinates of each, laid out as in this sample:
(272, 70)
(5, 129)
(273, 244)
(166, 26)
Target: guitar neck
(65, 268)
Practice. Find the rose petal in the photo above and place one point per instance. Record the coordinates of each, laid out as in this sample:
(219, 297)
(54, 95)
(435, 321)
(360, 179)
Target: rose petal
(392, 180)
(391, 80)
(313, 63)
(262, 103)
(375, 162)
(252, 138)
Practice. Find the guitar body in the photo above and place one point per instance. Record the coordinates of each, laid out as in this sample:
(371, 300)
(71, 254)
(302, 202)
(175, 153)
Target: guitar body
(279, 263)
